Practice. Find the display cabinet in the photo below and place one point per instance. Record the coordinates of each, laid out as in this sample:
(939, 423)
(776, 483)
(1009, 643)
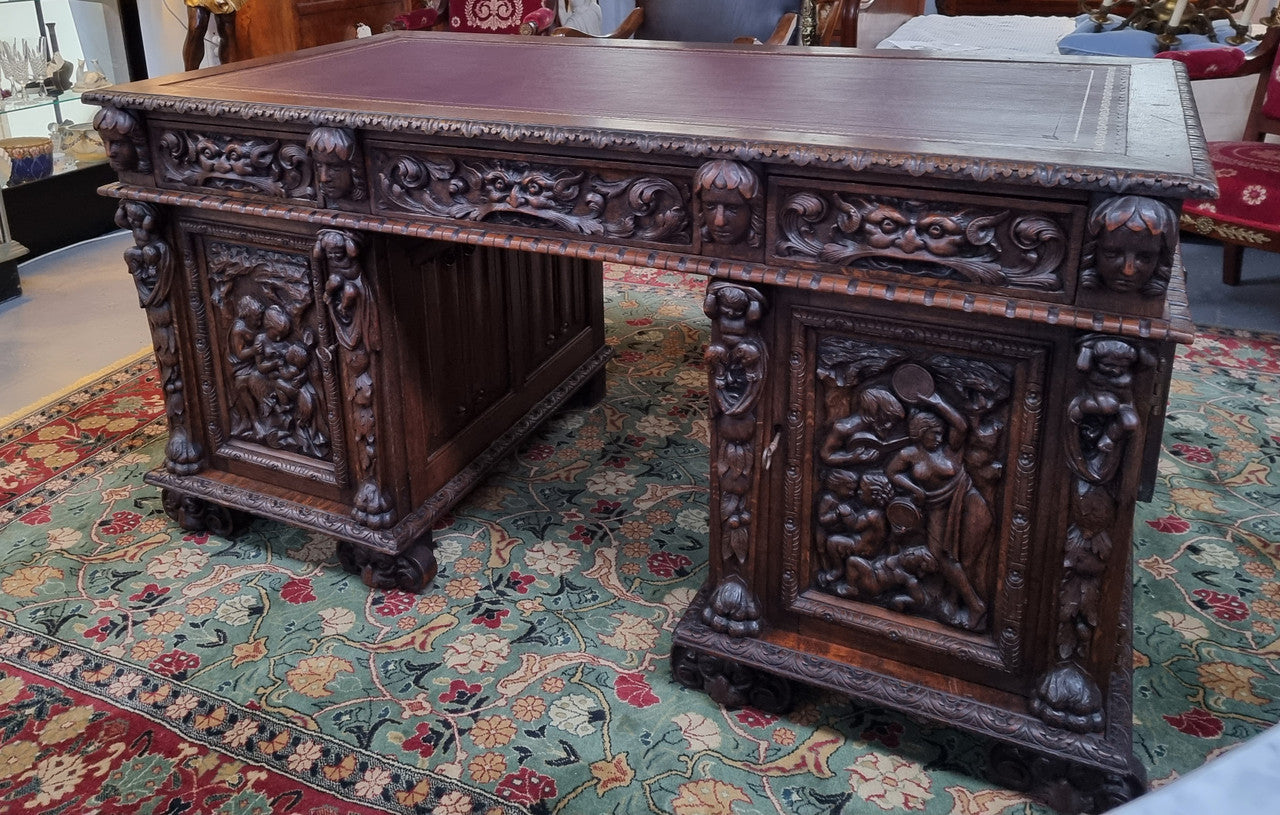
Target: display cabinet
(99, 44)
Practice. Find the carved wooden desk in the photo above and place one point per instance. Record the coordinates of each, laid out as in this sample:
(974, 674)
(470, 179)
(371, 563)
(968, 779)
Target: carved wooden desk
(944, 298)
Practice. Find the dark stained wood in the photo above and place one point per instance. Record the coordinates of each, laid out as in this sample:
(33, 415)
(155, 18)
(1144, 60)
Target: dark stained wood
(268, 27)
(939, 355)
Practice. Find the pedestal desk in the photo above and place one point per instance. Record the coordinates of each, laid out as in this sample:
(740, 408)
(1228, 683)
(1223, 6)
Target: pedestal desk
(944, 297)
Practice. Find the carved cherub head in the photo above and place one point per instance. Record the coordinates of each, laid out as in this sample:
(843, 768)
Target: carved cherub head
(124, 138)
(1130, 246)
(333, 151)
(727, 206)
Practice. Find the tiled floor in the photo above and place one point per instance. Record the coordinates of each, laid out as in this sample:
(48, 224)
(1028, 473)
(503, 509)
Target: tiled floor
(79, 312)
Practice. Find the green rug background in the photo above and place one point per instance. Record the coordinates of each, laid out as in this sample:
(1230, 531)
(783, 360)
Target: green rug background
(533, 677)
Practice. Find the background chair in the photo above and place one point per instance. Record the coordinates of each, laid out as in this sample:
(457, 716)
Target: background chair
(1247, 210)
(768, 21)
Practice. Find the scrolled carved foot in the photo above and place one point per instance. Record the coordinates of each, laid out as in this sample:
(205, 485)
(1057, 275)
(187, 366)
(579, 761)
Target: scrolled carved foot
(1066, 697)
(410, 570)
(733, 609)
(198, 515)
(1064, 786)
(729, 683)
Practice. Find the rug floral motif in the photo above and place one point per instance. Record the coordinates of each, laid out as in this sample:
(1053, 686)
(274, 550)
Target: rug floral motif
(146, 669)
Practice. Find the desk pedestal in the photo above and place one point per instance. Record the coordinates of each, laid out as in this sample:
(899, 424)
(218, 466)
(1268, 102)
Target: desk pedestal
(931, 513)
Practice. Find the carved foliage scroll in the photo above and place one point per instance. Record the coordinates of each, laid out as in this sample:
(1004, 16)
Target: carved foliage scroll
(976, 244)
(263, 303)
(1101, 419)
(538, 196)
(910, 453)
(217, 161)
(1130, 246)
(125, 138)
(150, 261)
(348, 298)
(738, 359)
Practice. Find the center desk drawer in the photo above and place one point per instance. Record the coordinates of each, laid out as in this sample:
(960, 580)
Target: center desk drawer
(936, 238)
(614, 202)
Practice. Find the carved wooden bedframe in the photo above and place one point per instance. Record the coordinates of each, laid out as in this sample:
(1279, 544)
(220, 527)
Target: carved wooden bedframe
(943, 314)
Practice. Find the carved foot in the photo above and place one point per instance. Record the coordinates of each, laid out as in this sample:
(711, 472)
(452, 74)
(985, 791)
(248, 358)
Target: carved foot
(1067, 698)
(1064, 786)
(410, 570)
(733, 609)
(729, 683)
(198, 515)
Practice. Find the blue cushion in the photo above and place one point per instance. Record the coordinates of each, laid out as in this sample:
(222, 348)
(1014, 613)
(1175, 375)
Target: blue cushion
(1087, 41)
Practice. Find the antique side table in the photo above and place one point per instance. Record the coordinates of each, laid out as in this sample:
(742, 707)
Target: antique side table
(944, 298)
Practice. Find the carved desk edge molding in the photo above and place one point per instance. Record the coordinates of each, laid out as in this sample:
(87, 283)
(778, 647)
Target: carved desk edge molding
(1201, 183)
(1175, 326)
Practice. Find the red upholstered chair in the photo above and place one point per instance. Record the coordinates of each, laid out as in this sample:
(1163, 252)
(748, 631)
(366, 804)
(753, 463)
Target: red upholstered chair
(1247, 210)
(500, 16)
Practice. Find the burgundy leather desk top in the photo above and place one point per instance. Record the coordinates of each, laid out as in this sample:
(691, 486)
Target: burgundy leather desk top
(787, 104)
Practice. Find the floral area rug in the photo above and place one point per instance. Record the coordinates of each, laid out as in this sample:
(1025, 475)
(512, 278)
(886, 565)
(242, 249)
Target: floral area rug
(148, 670)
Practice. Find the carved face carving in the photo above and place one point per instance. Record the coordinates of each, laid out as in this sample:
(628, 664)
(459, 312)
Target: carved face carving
(1126, 259)
(518, 189)
(939, 235)
(727, 214)
(235, 159)
(122, 155)
(333, 176)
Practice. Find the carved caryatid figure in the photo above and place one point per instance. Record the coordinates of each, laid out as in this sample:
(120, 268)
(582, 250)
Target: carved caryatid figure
(339, 172)
(1130, 246)
(729, 209)
(125, 139)
(348, 297)
(151, 263)
(738, 360)
(1100, 419)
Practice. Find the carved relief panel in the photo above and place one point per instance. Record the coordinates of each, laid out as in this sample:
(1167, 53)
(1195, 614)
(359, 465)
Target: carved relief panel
(270, 349)
(970, 242)
(209, 160)
(909, 494)
(623, 203)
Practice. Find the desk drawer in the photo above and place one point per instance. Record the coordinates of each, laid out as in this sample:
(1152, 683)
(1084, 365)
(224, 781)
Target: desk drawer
(612, 201)
(924, 237)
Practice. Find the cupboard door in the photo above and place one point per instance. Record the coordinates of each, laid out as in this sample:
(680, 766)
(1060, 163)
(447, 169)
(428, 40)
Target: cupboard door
(908, 504)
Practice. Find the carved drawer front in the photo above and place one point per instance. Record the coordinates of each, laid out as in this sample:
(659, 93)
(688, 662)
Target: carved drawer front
(931, 238)
(908, 508)
(267, 356)
(615, 202)
(240, 163)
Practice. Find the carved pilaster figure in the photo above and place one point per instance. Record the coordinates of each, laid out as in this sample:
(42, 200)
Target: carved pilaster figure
(738, 361)
(1130, 246)
(150, 261)
(349, 300)
(729, 206)
(125, 139)
(1101, 419)
(339, 168)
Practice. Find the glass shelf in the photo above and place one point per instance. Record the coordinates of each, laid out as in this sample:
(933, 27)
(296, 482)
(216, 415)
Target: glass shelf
(39, 102)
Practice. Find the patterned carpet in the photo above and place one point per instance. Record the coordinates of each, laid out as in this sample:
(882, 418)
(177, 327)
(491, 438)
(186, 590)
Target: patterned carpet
(145, 670)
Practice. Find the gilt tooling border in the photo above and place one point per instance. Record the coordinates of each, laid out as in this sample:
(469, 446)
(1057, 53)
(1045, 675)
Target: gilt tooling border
(1176, 326)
